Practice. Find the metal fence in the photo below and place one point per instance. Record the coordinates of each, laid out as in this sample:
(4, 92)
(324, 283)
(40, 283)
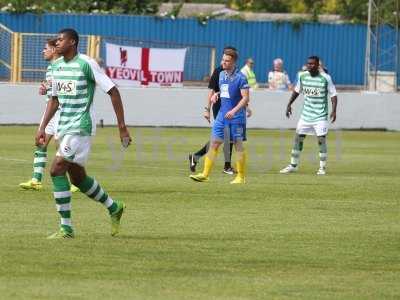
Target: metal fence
(21, 58)
(32, 64)
(341, 46)
(6, 50)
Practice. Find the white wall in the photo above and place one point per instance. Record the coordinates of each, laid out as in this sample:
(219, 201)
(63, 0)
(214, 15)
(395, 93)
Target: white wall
(21, 104)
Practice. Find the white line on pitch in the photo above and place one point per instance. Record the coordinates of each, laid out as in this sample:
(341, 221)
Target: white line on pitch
(13, 159)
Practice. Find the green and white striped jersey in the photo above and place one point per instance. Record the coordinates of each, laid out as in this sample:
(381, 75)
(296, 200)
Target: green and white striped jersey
(315, 90)
(48, 82)
(74, 83)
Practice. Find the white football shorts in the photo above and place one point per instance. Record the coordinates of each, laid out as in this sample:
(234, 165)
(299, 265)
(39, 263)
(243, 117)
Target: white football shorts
(318, 128)
(51, 127)
(75, 148)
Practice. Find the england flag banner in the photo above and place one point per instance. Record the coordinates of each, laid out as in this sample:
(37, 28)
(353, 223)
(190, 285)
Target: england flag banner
(135, 66)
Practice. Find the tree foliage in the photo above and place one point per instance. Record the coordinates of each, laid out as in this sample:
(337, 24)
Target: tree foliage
(352, 10)
(81, 6)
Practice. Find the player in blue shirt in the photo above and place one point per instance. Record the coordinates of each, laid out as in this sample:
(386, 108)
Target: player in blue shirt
(231, 118)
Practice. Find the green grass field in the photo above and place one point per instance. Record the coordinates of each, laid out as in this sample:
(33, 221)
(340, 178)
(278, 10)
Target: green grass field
(293, 236)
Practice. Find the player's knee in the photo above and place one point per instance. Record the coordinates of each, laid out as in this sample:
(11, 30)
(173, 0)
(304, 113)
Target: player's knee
(322, 140)
(299, 138)
(77, 174)
(239, 145)
(58, 168)
(215, 144)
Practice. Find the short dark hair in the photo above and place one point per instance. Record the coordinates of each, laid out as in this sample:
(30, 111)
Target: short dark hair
(71, 33)
(314, 57)
(232, 53)
(51, 42)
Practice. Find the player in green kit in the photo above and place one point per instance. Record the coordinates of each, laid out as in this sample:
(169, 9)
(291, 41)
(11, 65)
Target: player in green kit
(316, 87)
(74, 79)
(40, 155)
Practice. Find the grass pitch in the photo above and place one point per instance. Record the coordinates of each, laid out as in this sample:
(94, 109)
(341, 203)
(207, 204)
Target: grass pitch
(278, 237)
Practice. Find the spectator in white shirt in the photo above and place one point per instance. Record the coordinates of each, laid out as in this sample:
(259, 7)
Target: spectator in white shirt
(278, 79)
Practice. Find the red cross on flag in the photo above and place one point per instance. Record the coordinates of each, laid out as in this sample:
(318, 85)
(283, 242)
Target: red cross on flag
(135, 66)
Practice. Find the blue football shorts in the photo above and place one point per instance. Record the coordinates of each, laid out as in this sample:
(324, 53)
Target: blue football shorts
(236, 131)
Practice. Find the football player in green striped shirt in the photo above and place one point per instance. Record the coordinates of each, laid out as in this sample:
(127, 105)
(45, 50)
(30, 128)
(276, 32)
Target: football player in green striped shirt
(316, 86)
(40, 155)
(74, 79)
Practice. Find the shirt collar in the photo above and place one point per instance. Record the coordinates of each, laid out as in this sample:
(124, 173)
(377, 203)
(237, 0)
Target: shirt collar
(231, 76)
(71, 60)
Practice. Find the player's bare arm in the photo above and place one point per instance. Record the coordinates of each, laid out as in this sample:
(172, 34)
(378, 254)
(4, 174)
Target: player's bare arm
(249, 111)
(289, 106)
(42, 88)
(242, 103)
(119, 112)
(51, 109)
(334, 106)
(214, 97)
(207, 108)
